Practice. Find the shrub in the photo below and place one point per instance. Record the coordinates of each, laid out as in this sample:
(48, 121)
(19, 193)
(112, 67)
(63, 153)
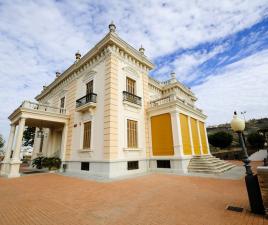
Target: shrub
(220, 139)
(52, 163)
(256, 140)
(47, 162)
(38, 162)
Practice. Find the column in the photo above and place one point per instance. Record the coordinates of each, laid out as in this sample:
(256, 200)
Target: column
(5, 163)
(199, 138)
(176, 132)
(63, 142)
(15, 161)
(191, 136)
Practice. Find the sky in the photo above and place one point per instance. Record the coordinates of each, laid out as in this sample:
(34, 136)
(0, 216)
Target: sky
(217, 48)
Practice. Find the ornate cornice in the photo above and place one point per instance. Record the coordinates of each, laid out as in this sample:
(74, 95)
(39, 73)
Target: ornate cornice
(110, 44)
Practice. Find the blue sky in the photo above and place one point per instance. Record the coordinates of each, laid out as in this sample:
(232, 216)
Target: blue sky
(218, 49)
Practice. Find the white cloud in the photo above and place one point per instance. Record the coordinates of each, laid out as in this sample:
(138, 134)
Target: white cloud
(39, 37)
(241, 86)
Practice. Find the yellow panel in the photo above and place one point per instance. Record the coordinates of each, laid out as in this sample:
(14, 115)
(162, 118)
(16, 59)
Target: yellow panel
(195, 136)
(185, 134)
(203, 137)
(162, 140)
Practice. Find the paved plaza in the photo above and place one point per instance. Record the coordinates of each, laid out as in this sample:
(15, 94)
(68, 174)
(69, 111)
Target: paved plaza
(53, 199)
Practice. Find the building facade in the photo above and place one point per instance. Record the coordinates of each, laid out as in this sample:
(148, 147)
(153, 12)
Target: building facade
(106, 116)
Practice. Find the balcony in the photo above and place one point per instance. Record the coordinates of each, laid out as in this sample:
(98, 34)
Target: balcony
(173, 100)
(131, 98)
(87, 102)
(39, 115)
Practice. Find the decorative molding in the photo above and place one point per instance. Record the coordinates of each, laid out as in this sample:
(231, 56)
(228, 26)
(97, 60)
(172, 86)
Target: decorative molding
(130, 71)
(89, 76)
(62, 93)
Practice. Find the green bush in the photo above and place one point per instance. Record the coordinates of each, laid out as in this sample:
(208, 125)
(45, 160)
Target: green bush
(38, 162)
(256, 140)
(220, 139)
(47, 162)
(52, 163)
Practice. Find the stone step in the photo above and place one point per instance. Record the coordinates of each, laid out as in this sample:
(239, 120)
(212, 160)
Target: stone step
(208, 164)
(211, 167)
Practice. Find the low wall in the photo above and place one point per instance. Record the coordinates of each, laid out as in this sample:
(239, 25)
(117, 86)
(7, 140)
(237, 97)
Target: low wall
(263, 181)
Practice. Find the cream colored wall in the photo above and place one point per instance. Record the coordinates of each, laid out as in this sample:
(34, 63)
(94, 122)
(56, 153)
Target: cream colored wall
(130, 111)
(96, 117)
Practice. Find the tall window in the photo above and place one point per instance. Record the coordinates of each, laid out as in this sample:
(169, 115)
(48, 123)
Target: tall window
(132, 134)
(62, 102)
(131, 86)
(90, 87)
(87, 135)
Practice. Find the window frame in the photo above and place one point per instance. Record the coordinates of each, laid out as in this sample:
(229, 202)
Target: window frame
(129, 89)
(132, 138)
(89, 146)
(92, 87)
(63, 97)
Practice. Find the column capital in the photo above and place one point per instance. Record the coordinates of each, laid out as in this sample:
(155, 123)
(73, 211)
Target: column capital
(175, 111)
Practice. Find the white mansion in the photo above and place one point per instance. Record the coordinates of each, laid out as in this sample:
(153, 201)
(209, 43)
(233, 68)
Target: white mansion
(106, 116)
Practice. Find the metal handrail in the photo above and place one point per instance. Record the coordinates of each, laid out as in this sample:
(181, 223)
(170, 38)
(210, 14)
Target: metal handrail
(91, 97)
(127, 96)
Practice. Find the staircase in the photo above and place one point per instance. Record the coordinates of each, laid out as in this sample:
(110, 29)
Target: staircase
(208, 164)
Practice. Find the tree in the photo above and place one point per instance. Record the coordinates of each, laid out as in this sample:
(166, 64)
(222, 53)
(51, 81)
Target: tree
(220, 139)
(256, 140)
(2, 141)
(28, 136)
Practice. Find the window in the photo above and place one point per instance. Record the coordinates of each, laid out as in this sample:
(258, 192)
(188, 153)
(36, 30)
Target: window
(131, 86)
(163, 163)
(132, 134)
(85, 166)
(133, 165)
(89, 87)
(62, 102)
(87, 135)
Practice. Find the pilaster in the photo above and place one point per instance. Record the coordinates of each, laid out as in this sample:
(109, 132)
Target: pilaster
(191, 135)
(199, 138)
(176, 132)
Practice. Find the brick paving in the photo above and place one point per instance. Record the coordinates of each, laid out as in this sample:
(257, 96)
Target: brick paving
(164, 199)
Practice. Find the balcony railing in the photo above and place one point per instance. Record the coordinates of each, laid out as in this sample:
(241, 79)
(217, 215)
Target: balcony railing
(172, 98)
(131, 98)
(42, 107)
(89, 98)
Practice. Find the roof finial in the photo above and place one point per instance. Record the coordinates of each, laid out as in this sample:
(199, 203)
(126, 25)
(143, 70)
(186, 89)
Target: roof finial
(112, 27)
(141, 50)
(173, 77)
(58, 74)
(77, 55)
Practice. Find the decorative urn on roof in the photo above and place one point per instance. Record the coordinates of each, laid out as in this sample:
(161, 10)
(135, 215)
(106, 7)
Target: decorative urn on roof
(112, 27)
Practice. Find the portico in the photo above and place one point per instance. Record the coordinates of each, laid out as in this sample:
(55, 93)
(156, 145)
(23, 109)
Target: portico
(34, 115)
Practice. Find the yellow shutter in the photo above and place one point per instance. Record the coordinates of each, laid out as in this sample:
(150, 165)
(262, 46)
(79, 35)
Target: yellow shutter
(195, 136)
(162, 139)
(203, 137)
(185, 133)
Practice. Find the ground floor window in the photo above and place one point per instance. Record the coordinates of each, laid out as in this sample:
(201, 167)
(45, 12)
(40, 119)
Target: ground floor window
(85, 166)
(132, 134)
(133, 165)
(87, 135)
(163, 163)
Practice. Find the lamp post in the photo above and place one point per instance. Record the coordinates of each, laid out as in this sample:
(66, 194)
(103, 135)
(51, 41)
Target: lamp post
(251, 180)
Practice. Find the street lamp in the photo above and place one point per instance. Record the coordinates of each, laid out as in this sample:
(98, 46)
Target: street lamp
(252, 184)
